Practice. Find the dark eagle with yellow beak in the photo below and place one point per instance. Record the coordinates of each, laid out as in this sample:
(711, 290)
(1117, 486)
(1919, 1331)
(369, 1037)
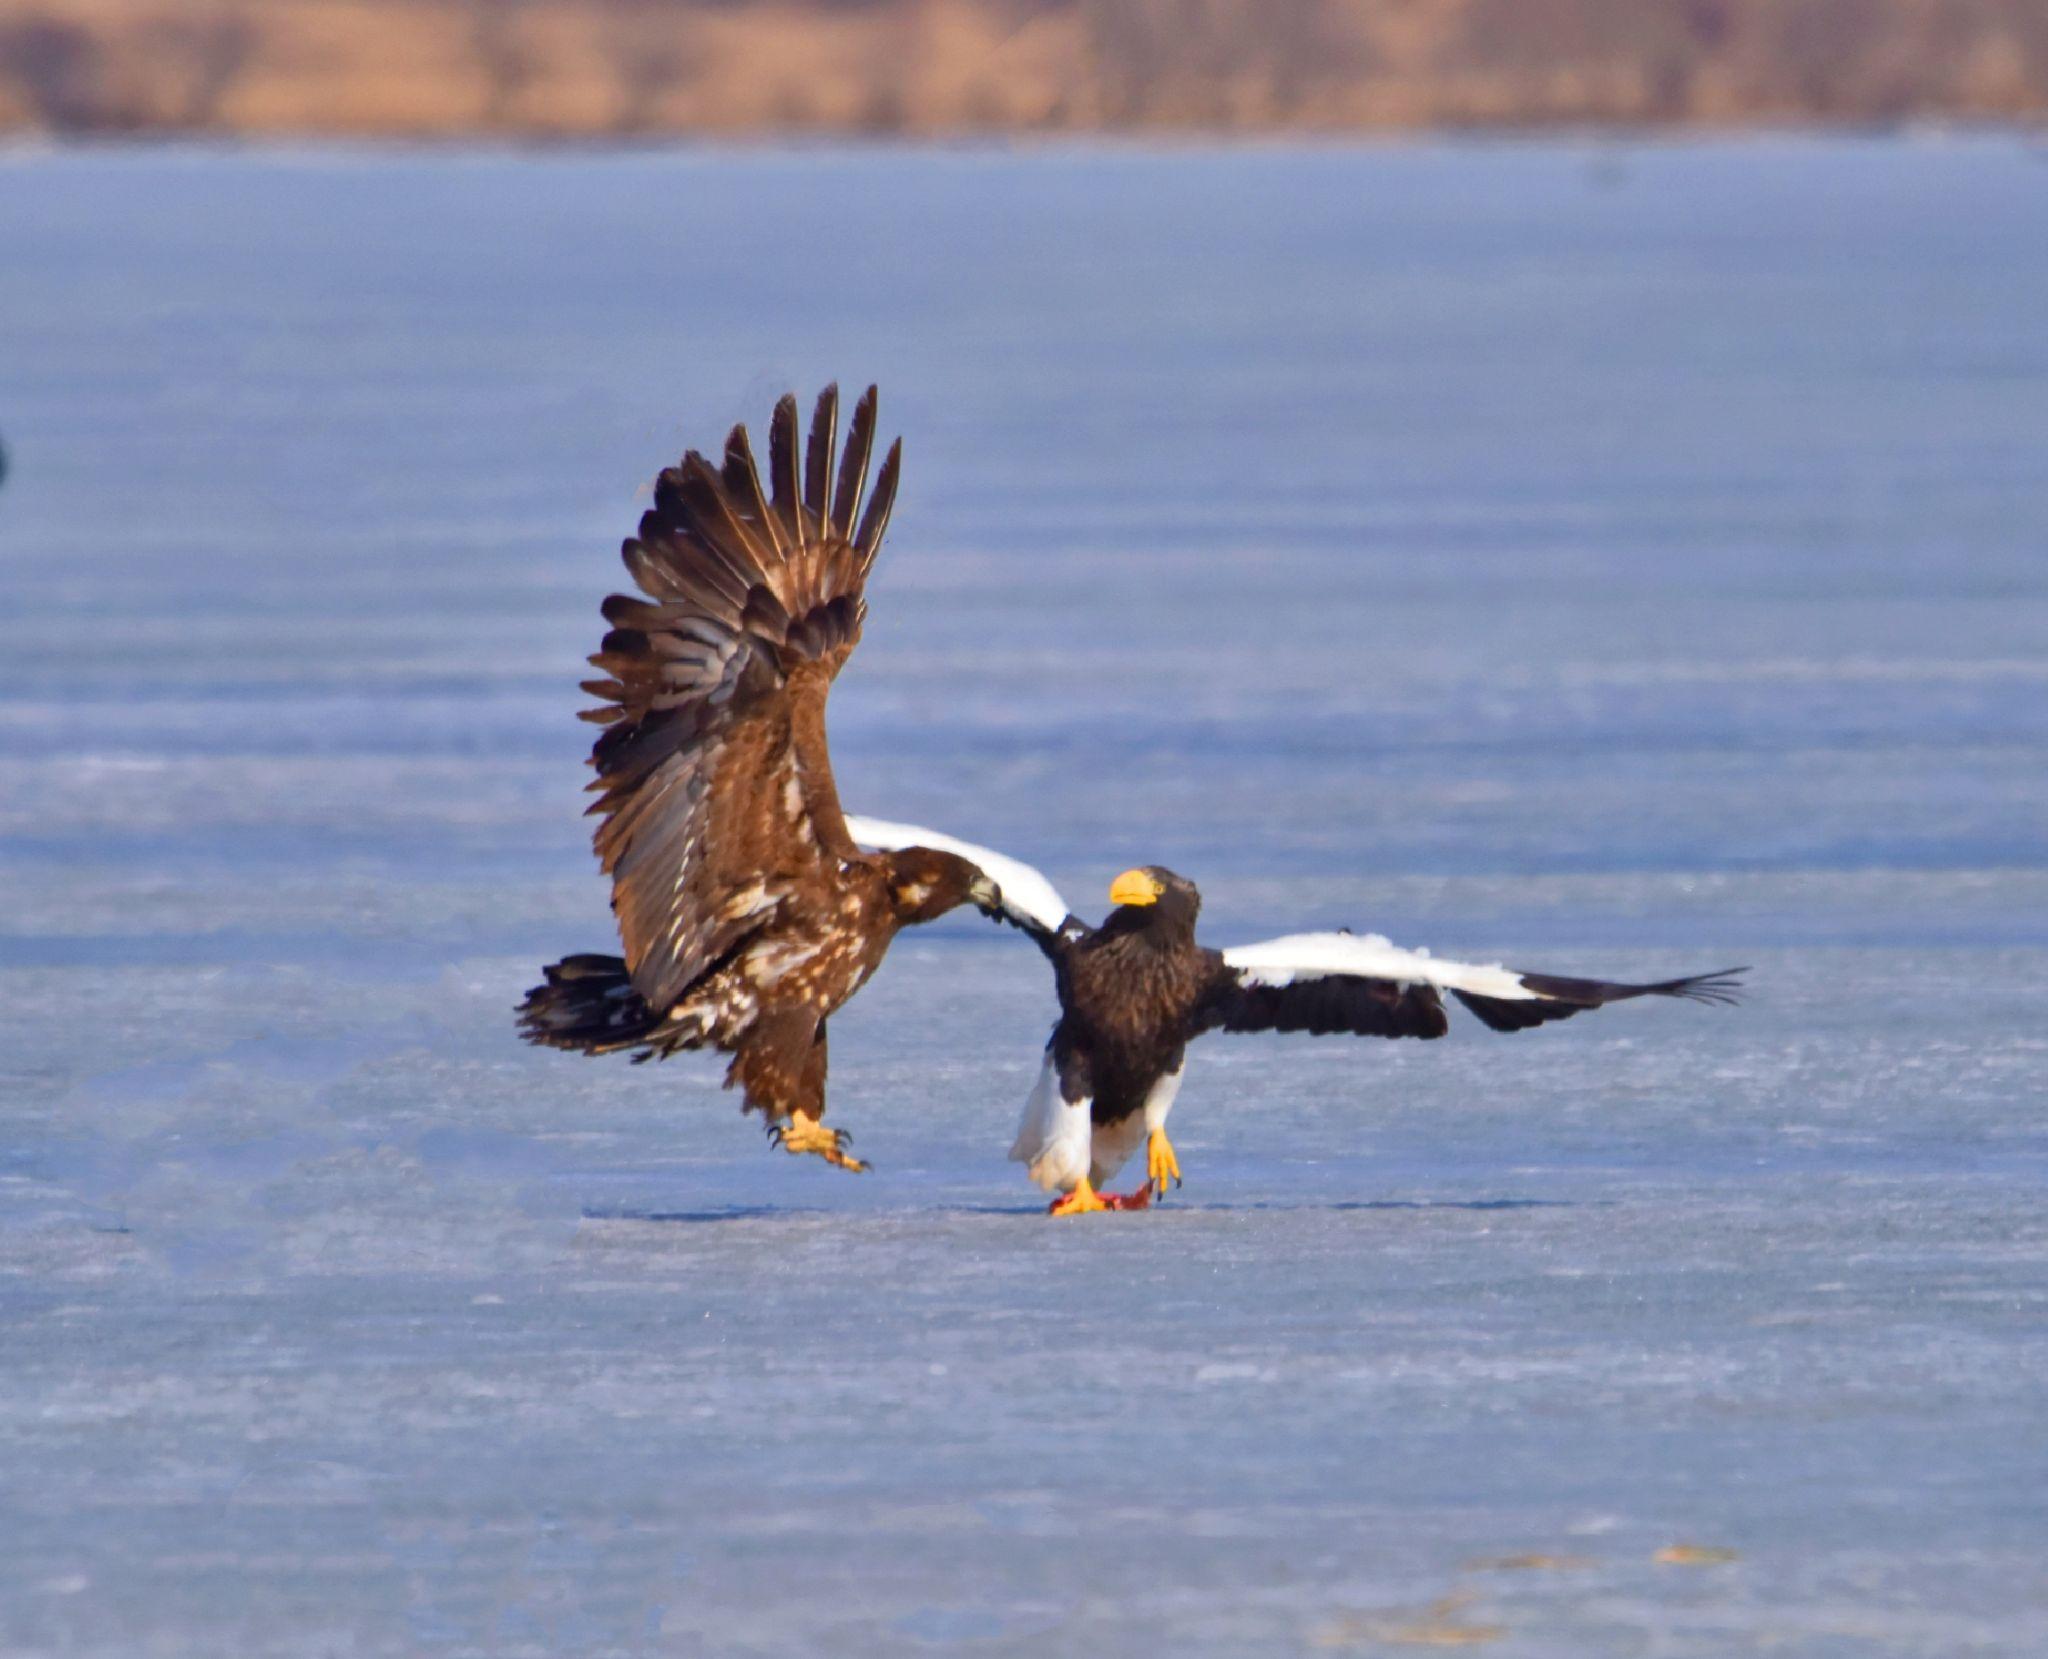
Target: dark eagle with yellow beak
(747, 911)
(1137, 990)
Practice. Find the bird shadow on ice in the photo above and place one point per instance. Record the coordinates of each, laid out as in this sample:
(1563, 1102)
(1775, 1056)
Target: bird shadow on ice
(1403, 1204)
(791, 1212)
(781, 1212)
(1341, 1205)
(1281, 1205)
(729, 1212)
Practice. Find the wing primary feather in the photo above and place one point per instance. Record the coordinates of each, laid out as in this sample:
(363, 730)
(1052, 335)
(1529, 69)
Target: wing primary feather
(1557, 997)
(818, 463)
(782, 468)
(853, 466)
(874, 523)
(1723, 986)
(707, 508)
(743, 486)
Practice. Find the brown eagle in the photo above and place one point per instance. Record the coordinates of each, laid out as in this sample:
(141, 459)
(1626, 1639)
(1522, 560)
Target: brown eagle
(1137, 990)
(747, 911)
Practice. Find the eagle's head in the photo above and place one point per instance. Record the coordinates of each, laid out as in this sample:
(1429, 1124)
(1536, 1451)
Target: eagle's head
(925, 883)
(1154, 896)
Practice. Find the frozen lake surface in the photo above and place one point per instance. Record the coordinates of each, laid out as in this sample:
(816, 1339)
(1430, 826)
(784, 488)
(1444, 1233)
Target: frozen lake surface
(1621, 560)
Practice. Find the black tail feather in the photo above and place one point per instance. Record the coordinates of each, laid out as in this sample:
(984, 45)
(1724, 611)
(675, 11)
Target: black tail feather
(589, 1006)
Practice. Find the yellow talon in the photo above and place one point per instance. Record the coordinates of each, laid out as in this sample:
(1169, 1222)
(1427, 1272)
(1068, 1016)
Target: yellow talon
(1081, 1201)
(1161, 1165)
(802, 1134)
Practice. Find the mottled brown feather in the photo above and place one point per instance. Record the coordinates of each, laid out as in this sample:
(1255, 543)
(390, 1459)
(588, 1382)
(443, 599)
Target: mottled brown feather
(712, 697)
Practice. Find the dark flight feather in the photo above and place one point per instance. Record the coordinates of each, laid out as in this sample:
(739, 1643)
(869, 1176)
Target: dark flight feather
(743, 489)
(818, 464)
(1561, 997)
(874, 523)
(707, 703)
(853, 467)
(782, 470)
(1324, 1006)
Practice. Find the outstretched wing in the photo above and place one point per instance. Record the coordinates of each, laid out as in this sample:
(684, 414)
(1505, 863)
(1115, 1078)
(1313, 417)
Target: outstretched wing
(713, 781)
(1362, 983)
(1030, 901)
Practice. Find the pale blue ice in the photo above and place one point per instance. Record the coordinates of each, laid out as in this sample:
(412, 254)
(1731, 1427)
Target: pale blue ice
(1617, 559)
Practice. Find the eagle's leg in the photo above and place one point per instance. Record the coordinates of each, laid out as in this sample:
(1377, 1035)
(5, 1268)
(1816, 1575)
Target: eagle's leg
(1161, 1166)
(801, 1133)
(783, 1068)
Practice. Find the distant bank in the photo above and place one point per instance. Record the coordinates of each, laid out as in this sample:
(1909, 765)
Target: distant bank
(610, 68)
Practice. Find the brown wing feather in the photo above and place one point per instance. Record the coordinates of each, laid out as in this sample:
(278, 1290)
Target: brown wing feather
(818, 464)
(743, 489)
(782, 468)
(853, 469)
(874, 524)
(713, 779)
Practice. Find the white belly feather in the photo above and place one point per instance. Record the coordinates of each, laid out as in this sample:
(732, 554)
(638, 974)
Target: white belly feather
(1058, 1144)
(1115, 1142)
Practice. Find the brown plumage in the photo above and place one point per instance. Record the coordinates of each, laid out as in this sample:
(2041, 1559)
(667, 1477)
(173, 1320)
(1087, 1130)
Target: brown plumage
(746, 912)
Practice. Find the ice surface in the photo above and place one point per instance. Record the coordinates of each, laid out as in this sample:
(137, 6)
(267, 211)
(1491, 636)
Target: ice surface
(1608, 560)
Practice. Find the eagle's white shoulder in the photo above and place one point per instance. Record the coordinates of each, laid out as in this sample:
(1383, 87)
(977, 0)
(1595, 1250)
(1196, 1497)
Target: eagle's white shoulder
(1299, 956)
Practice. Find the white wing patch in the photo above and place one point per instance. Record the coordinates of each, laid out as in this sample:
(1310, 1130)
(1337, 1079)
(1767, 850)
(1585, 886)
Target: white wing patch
(1025, 890)
(1300, 956)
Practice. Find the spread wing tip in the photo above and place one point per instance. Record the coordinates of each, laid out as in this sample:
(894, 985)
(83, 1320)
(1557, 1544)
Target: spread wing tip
(1723, 986)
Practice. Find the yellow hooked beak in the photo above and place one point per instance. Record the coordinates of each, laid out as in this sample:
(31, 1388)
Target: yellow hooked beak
(1134, 887)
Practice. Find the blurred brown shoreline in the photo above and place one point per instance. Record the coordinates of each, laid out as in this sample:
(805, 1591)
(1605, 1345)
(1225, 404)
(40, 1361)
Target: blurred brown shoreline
(621, 68)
